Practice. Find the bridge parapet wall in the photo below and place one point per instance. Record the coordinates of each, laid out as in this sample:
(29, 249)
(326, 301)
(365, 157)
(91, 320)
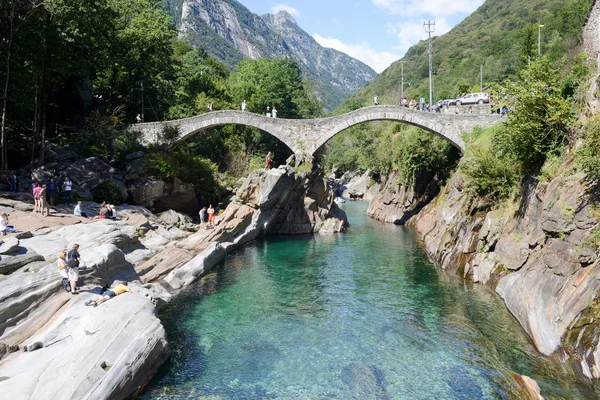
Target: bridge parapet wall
(307, 136)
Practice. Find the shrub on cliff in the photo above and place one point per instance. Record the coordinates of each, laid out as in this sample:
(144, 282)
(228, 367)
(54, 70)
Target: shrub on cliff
(540, 117)
(488, 174)
(588, 155)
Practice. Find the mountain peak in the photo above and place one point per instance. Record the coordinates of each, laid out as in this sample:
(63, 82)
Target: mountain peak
(284, 16)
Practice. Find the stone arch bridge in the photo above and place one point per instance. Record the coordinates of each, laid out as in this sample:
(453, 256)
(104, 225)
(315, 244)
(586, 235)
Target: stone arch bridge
(306, 136)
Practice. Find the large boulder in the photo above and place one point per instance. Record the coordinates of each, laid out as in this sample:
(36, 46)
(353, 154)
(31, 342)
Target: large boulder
(88, 173)
(146, 192)
(178, 220)
(99, 263)
(97, 233)
(177, 195)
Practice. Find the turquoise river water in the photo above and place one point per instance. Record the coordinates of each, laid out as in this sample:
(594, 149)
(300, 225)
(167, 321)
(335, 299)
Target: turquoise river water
(360, 315)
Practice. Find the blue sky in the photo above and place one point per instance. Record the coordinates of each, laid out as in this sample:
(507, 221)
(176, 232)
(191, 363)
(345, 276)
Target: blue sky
(377, 32)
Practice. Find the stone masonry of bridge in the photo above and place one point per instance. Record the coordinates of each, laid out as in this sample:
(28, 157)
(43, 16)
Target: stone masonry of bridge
(306, 136)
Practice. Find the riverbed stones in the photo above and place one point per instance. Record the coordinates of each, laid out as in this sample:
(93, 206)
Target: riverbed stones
(106, 352)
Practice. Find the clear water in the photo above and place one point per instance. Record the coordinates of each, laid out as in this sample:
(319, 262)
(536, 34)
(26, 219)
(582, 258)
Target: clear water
(361, 315)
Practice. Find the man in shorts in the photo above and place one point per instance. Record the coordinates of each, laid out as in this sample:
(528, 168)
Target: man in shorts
(107, 295)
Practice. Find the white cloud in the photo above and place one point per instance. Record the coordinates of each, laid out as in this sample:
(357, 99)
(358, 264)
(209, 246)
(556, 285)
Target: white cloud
(285, 7)
(378, 60)
(434, 8)
(410, 33)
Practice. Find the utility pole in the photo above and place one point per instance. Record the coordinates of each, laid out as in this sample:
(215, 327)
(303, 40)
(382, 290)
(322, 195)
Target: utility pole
(430, 29)
(142, 89)
(540, 40)
(402, 84)
(481, 77)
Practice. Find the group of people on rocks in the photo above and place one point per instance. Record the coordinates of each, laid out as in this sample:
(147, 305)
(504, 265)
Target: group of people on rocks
(207, 217)
(68, 267)
(107, 211)
(44, 195)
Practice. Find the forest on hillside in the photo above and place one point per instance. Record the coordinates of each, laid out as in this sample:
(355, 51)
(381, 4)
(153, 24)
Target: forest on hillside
(78, 72)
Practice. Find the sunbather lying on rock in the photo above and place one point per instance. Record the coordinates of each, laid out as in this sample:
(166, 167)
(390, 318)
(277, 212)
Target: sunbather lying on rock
(107, 295)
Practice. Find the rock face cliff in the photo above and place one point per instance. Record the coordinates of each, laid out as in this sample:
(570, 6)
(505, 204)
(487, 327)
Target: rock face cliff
(53, 346)
(398, 203)
(541, 256)
(230, 32)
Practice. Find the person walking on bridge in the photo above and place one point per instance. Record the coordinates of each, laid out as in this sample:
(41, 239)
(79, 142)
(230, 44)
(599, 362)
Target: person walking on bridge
(375, 101)
(244, 105)
(268, 112)
(274, 112)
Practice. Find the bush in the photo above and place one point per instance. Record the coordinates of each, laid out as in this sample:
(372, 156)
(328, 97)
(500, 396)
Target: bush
(540, 118)
(489, 175)
(588, 156)
(108, 191)
(157, 165)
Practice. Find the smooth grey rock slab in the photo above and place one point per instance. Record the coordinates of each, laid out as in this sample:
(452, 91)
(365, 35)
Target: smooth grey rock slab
(107, 352)
(10, 263)
(9, 245)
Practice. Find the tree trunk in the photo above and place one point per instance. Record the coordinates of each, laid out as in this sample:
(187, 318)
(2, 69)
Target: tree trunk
(43, 101)
(3, 144)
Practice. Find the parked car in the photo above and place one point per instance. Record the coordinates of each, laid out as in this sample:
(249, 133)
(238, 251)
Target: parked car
(473, 98)
(442, 103)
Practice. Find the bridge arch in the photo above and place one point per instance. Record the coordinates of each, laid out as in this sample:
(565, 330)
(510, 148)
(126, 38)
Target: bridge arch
(306, 136)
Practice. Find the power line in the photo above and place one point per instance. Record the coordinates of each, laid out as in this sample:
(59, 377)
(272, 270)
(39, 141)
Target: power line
(430, 29)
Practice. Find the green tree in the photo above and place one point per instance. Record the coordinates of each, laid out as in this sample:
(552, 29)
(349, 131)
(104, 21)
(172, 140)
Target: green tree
(540, 118)
(273, 82)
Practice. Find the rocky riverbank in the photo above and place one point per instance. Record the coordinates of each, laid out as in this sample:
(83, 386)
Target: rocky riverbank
(541, 256)
(53, 346)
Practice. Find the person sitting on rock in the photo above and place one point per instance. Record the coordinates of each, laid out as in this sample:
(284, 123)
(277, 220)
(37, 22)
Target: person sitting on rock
(4, 225)
(103, 212)
(112, 212)
(78, 212)
(107, 295)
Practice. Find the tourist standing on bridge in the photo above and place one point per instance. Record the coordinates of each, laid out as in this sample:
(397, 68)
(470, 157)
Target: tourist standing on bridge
(375, 101)
(138, 118)
(244, 105)
(405, 102)
(274, 112)
(210, 106)
(268, 113)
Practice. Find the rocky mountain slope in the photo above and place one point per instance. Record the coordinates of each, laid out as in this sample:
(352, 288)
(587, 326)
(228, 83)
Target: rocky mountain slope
(500, 35)
(230, 32)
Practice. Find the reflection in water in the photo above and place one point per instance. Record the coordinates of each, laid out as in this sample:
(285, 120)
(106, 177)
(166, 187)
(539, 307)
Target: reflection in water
(362, 315)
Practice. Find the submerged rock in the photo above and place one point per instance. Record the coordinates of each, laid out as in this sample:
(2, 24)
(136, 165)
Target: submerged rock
(365, 381)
